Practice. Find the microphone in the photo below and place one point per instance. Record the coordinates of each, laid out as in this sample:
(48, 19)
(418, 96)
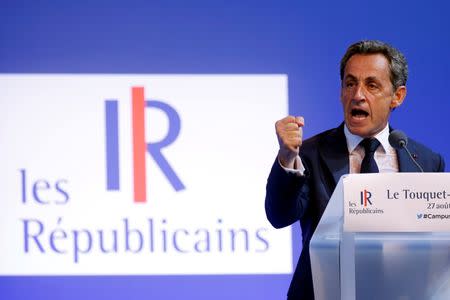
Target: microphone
(399, 140)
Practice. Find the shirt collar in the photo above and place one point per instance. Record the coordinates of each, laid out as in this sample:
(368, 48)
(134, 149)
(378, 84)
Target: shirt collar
(354, 140)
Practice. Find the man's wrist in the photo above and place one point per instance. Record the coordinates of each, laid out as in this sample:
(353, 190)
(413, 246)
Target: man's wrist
(297, 166)
(286, 161)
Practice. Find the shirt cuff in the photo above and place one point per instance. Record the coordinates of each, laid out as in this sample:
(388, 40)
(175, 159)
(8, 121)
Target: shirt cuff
(299, 168)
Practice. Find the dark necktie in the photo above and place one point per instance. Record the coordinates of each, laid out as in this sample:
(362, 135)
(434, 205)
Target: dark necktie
(369, 164)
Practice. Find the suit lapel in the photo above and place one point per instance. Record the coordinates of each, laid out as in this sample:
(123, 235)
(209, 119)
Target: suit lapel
(334, 152)
(405, 163)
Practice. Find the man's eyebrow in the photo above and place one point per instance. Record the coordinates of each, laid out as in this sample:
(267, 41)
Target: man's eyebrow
(372, 78)
(349, 76)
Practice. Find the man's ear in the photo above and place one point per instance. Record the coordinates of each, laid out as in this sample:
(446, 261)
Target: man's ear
(399, 96)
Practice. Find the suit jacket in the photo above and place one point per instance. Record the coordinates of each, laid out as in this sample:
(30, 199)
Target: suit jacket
(291, 198)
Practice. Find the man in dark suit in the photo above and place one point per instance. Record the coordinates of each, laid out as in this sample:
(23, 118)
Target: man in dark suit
(305, 173)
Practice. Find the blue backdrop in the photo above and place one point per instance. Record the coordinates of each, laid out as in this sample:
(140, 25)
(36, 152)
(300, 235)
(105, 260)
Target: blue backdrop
(304, 39)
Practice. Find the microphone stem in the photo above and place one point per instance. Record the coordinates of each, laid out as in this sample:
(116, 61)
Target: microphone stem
(415, 162)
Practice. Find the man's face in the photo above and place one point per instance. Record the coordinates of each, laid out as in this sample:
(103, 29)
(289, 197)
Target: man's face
(367, 94)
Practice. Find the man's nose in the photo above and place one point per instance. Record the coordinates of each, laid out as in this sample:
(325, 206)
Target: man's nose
(359, 94)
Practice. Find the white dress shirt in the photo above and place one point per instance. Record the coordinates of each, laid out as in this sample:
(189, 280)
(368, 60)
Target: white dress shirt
(385, 155)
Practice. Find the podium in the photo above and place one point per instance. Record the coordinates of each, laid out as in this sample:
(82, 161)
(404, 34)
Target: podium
(384, 236)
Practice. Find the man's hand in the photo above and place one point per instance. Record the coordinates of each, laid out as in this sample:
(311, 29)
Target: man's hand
(290, 133)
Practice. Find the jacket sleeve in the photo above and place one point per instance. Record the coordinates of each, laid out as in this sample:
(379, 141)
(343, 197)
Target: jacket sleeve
(441, 164)
(286, 196)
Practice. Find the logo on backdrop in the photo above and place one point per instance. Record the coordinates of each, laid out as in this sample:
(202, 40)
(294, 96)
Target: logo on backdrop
(140, 147)
(77, 214)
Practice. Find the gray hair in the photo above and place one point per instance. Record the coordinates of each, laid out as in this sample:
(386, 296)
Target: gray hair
(397, 62)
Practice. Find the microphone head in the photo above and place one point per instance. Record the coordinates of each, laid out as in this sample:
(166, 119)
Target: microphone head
(398, 139)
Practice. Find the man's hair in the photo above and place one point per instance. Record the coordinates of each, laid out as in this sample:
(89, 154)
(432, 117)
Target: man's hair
(397, 62)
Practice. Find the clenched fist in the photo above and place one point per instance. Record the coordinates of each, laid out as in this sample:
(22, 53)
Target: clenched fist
(290, 133)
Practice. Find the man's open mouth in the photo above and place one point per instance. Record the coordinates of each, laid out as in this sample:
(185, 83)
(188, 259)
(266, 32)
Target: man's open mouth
(359, 113)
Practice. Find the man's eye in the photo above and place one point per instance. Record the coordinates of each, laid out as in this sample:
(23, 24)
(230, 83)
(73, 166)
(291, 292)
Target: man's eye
(349, 84)
(372, 86)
